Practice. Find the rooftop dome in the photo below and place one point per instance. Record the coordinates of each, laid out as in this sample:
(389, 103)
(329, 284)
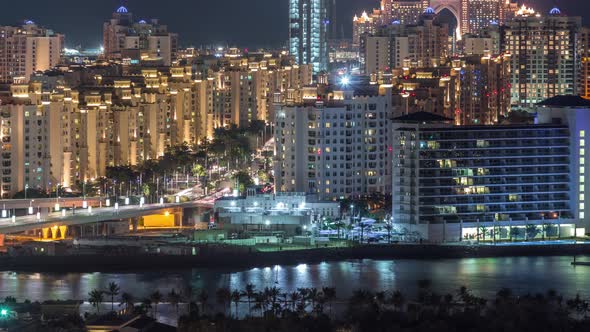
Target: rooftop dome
(142, 22)
(396, 22)
(29, 22)
(122, 10)
(555, 11)
(429, 11)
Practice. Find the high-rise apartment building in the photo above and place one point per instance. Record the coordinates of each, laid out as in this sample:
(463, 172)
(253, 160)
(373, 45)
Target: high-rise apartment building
(481, 13)
(308, 26)
(425, 44)
(361, 25)
(406, 11)
(126, 39)
(485, 89)
(545, 56)
(487, 41)
(334, 142)
(26, 49)
(584, 76)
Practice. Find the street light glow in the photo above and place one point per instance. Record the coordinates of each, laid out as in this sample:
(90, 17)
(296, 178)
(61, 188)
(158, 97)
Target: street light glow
(345, 80)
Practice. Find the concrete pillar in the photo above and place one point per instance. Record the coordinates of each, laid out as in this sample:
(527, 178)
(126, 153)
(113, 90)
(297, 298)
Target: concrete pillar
(54, 230)
(63, 229)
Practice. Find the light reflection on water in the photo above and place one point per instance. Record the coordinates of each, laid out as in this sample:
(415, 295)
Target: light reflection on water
(484, 276)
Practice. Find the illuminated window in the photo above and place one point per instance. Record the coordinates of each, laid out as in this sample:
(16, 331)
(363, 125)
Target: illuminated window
(582, 197)
(582, 215)
(582, 133)
(581, 169)
(581, 205)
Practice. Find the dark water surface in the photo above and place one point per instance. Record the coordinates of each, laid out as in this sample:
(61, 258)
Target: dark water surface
(484, 276)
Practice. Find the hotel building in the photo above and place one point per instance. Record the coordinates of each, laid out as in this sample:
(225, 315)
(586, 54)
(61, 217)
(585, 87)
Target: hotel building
(502, 182)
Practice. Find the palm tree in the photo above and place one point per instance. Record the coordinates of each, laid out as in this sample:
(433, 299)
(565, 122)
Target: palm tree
(127, 301)
(146, 304)
(398, 300)
(96, 299)
(294, 297)
(329, 295)
(112, 291)
(303, 296)
(313, 297)
(235, 298)
(249, 293)
(223, 296)
(156, 298)
(175, 299)
(203, 297)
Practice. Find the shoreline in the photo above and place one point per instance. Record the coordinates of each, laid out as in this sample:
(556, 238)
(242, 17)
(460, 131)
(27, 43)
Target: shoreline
(239, 258)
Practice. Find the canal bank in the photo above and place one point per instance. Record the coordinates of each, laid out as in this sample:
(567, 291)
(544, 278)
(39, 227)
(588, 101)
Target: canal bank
(221, 256)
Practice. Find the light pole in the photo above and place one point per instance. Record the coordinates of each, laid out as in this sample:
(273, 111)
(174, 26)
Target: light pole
(56, 207)
(406, 95)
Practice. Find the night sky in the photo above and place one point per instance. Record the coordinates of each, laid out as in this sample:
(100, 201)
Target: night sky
(245, 23)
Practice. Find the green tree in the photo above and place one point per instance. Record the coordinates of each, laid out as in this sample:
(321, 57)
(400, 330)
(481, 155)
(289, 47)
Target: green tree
(243, 179)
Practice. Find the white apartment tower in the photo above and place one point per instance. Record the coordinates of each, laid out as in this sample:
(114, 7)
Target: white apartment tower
(334, 143)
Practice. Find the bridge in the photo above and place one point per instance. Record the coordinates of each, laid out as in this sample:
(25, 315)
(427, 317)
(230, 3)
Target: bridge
(72, 222)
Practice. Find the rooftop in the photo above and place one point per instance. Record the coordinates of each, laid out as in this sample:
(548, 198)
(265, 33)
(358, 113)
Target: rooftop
(566, 101)
(422, 117)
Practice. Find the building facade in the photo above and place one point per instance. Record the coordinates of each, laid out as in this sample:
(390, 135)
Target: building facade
(545, 56)
(334, 144)
(454, 183)
(308, 27)
(289, 212)
(424, 44)
(26, 49)
(485, 89)
(126, 39)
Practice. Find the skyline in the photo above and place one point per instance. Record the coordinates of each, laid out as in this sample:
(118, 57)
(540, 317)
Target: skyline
(82, 22)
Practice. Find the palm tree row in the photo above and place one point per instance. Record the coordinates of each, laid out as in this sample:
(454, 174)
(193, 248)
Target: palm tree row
(271, 300)
(128, 301)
